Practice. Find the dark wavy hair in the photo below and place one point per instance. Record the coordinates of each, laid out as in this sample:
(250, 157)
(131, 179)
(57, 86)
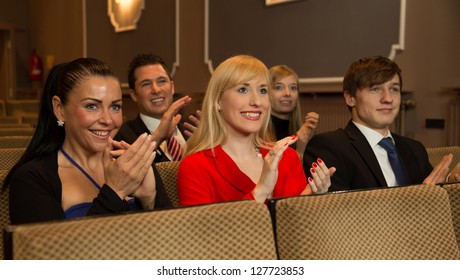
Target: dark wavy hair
(144, 59)
(61, 80)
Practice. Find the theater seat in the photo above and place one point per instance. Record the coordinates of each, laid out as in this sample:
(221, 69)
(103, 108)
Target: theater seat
(9, 157)
(454, 195)
(14, 141)
(411, 222)
(168, 173)
(437, 153)
(4, 209)
(232, 230)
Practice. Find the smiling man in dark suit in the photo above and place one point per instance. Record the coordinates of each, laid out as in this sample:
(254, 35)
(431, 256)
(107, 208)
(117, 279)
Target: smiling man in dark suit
(365, 153)
(152, 88)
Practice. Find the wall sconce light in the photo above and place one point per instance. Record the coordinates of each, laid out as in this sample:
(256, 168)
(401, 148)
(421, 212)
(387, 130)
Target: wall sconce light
(276, 2)
(124, 14)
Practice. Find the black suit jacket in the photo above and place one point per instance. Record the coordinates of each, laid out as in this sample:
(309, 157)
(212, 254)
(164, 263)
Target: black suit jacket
(357, 166)
(132, 129)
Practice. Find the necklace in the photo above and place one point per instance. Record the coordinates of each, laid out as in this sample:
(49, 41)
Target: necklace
(79, 167)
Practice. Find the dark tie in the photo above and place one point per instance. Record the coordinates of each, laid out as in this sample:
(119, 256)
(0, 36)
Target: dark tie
(174, 149)
(398, 168)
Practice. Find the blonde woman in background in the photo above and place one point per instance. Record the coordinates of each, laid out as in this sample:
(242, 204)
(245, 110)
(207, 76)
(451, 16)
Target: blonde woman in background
(286, 115)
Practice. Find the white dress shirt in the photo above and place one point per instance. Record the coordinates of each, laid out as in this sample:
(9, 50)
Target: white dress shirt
(373, 137)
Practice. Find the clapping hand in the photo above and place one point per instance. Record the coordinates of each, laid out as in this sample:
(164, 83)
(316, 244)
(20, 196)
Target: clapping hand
(170, 120)
(128, 170)
(440, 171)
(190, 128)
(269, 175)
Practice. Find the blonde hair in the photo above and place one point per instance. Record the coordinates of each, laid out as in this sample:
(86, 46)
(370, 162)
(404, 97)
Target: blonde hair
(212, 130)
(277, 73)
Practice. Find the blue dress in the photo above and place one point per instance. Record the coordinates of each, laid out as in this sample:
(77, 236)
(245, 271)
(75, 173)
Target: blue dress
(81, 210)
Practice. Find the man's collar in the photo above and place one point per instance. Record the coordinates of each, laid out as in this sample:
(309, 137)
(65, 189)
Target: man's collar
(372, 136)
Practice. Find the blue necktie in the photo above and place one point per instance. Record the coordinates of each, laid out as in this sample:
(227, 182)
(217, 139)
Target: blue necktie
(399, 170)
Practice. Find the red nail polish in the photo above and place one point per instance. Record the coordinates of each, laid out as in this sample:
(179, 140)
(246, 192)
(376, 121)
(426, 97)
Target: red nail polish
(312, 170)
(315, 165)
(293, 137)
(310, 179)
(285, 144)
(319, 160)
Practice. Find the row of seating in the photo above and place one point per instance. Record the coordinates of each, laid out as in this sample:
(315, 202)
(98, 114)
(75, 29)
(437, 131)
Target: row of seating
(16, 131)
(24, 112)
(10, 119)
(413, 222)
(15, 107)
(393, 223)
(9, 157)
(7, 142)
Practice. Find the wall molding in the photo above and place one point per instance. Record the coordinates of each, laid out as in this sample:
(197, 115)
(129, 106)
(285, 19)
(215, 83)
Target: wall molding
(176, 62)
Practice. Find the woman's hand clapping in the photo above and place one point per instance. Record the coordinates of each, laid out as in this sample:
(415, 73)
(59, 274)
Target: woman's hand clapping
(128, 170)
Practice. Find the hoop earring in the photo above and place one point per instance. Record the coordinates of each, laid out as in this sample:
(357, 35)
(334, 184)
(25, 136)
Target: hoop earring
(60, 123)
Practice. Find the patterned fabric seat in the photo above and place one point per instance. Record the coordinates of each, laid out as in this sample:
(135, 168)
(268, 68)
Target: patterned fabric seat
(17, 131)
(435, 154)
(454, 195)
(233, 230)
(4, 209)
(411, 222)
(14, 141)
(9, 157)
(168, 173)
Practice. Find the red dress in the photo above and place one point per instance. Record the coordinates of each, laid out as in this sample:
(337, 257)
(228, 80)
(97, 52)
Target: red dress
(205, 177)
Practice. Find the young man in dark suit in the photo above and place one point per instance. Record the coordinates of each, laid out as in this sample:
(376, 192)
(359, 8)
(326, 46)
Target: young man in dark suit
(152, 88)
(372, 91)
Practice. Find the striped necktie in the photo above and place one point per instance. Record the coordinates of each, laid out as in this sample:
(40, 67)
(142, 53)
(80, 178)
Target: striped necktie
(174, 149)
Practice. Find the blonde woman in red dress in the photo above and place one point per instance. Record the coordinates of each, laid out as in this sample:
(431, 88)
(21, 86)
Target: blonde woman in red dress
(231, 156)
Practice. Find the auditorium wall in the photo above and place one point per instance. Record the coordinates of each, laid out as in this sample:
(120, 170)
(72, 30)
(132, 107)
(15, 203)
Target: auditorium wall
(176, 30)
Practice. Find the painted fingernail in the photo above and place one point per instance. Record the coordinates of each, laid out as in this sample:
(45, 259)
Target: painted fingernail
(312, 170)
(293, 137)
(285, 144)
(319, 160)
(310, 179)
(315, 165)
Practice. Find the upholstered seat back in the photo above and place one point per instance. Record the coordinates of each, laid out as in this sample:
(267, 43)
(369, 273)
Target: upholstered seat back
(17, 131)
(168, 172)
(9, 157)
(4, 209)
(14, 141)
(234, 230)
(437, 153)
(393, 223)
(454, 195)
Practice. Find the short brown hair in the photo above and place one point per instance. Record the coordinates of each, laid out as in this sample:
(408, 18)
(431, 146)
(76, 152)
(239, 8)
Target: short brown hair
(370, 71)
